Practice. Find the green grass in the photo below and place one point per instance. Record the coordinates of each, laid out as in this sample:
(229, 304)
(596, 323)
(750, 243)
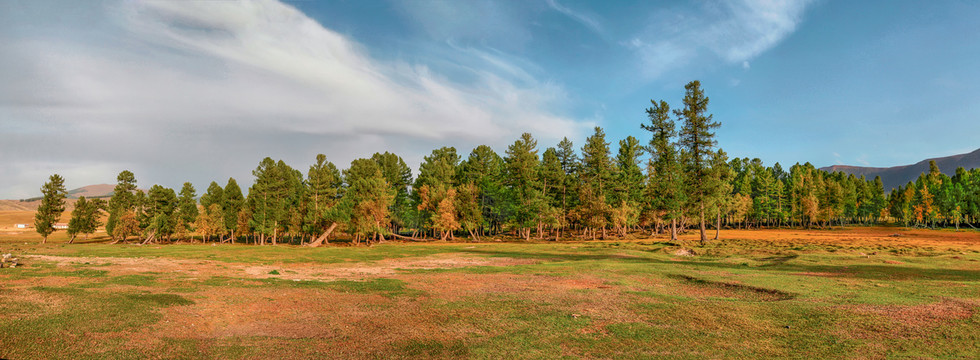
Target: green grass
(735, 299)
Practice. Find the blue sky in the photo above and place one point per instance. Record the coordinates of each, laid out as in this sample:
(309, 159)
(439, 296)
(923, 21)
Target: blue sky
(200, 91)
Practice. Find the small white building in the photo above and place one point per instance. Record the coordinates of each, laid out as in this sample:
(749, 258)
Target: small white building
(61, 226)
(20, 226)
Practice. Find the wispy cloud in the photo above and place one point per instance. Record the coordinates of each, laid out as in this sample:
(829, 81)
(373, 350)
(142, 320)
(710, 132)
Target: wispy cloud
(733, 32)
(184, 84)
(582, 18)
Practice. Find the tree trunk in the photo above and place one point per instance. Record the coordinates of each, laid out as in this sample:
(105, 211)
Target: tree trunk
(718, 226)
(323, 238)
(72, 239)
(673, 229)
(704, 238)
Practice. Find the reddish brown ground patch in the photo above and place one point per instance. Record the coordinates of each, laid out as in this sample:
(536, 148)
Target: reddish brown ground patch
(347, 323)
(911, 321)
(856, 236)
(311, 271)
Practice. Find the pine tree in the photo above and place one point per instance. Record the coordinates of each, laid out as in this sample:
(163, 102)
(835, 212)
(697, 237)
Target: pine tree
(370, 198)
(697, 140)
(84, 218)
(468, 207)
(324, 185)
(552, 180)
(484, 168)
(161, 212)
(446, 219)
(596, 173)
(211, 222)
(665, 190)
(232, 204)
(276, 191)
(52, 205)
(187, 206)
(570, 164)
(525, 200)
(720, 187)
(123, 200)
(629, 182)
(214, 196)
(127, 225)
(399, 177)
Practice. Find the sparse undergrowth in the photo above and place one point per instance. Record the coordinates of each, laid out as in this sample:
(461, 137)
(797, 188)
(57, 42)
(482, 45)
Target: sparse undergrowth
(761, 297)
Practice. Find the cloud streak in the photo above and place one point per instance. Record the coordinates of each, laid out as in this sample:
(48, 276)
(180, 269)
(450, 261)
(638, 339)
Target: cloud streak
(733, 32)
(586, 20)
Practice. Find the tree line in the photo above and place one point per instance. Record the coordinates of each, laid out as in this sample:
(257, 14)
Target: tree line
(686, 182)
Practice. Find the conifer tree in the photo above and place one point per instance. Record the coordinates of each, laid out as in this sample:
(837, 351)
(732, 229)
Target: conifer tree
(629, 182)
(720, 187)
(161, 212)
(324, 185)
(370, 198)
(231, 206)
(570, 164)
(552, 179)
(698, 141)
(84, 218)
(525, 198)
(127, 225)
(665, 192)
(187, 206)
(52, 205)
(468, 207)
(214, 196)
(484, 168)
(596, 173)
(275, 193)
(399, 177)
(123, 200)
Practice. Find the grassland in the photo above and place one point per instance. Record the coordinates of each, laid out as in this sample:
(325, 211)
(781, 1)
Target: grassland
(856, 293)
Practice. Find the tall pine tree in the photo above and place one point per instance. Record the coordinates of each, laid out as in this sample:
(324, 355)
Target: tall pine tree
(52, 205)
(697, 139)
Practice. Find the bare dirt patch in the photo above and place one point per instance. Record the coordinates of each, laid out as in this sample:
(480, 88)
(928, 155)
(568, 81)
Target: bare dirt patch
(300, 271)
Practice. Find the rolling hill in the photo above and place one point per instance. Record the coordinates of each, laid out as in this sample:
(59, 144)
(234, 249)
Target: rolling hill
(90, 191)
(896, 176)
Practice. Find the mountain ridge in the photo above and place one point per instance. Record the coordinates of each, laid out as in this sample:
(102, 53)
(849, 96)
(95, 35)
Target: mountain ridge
(895, 176)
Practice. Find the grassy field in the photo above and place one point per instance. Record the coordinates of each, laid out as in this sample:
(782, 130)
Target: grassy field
(856, 293)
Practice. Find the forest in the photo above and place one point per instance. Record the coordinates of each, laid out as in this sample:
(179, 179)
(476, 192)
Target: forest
(679, 181)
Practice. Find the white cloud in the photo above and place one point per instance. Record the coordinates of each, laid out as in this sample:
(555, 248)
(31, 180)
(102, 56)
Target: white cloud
(172, 83)
(733, 32)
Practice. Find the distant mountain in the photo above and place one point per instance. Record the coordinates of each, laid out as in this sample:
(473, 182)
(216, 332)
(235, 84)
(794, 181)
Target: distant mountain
(896, 176)
(92, 191)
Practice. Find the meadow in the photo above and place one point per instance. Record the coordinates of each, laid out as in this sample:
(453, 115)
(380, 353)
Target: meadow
(884, 292)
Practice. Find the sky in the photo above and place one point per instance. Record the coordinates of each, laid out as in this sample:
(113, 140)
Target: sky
(201, 91)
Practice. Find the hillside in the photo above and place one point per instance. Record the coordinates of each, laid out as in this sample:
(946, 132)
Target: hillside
(31, 206)
(896, 176)
(90, 191)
